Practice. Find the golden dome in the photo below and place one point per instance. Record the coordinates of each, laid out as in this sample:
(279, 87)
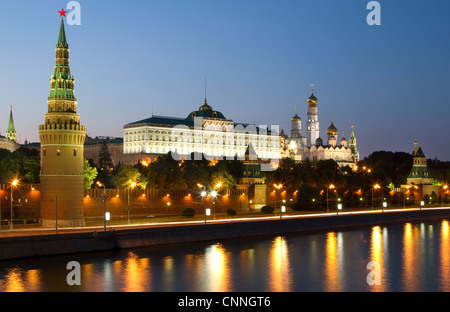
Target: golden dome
(312, 100)
(332, 130)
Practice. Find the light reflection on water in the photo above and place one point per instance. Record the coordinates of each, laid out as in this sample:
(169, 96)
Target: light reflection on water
(411, 257)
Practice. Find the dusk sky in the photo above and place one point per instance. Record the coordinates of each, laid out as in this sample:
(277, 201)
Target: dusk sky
(132, 58)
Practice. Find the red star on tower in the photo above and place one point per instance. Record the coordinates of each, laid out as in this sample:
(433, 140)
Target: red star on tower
(62, 13)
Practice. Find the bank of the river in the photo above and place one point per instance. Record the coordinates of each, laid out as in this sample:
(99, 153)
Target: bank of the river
(47, 245)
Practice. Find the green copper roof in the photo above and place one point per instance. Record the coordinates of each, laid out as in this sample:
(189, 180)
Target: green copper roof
(11, 122)
(62, 82)
(419, 153)
(419, 172)
(62, 42)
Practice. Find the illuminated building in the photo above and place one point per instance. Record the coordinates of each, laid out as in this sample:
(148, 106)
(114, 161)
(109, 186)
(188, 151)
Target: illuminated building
(205, 131)
(312, 147)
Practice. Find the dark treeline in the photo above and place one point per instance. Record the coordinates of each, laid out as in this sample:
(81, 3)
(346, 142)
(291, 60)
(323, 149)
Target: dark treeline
(22, 164)
(309, 179)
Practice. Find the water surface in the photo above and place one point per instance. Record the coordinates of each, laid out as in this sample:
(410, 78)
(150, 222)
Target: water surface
(410, 256)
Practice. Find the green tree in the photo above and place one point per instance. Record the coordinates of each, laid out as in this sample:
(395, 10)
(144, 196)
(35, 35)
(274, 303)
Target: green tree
(222, 176)
(308, 198)
(104, 157)
(90, 173)
(128, 175)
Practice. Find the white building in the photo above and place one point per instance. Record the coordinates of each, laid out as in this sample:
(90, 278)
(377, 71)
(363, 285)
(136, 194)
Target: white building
(312, 146)
(204, 131)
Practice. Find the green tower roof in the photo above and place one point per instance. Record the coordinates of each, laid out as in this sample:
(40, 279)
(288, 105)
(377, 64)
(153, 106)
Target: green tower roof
(62, 42)
(11, 122)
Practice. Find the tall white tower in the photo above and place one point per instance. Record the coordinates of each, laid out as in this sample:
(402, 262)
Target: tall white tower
(312, 124)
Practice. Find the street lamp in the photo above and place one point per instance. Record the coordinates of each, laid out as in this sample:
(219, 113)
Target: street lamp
(331, 187)
(13, 183)
(376, 186)
(104, 205)
(277, 186)
(133, 184)
(204, 205)
(213, 196)
(404, 195)
(444, 187)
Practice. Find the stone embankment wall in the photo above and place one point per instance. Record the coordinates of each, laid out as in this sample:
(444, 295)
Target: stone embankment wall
(47, 245)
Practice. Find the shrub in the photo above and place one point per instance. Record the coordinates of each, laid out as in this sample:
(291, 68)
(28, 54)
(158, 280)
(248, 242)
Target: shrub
(188, 212)
(231, 212)
(267, 209)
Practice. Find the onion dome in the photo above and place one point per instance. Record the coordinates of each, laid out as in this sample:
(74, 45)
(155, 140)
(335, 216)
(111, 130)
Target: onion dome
(296, 118)
(319, 142)
(332, 130)
(344, 142)
(312, 100)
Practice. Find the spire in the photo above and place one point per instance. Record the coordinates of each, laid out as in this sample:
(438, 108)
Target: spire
(62, 82)
(62, 42)
(352, 146)
(11, 132)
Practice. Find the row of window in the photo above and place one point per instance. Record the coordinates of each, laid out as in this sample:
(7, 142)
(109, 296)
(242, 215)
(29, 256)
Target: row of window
(58, 152)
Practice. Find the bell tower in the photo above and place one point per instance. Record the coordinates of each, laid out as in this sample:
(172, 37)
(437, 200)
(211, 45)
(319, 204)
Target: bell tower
(62, 145)
(312, 124)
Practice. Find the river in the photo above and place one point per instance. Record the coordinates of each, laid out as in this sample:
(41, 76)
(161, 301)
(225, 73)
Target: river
(402, 257)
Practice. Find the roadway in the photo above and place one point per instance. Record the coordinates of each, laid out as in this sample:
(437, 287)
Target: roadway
(5, 231)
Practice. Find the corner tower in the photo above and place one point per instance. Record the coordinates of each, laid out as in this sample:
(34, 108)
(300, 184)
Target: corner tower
(62, 144)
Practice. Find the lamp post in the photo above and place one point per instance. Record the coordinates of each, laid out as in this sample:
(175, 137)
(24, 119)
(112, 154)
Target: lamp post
(277, 187)
(13, 183)
(204, 205)
(444, 187)
(404, 195)
(376, 186)
(132, 185)
(331, 187)
(104, 204)
(213, 196)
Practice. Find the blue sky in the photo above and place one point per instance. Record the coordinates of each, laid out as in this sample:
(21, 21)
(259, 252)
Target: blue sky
(132, 58)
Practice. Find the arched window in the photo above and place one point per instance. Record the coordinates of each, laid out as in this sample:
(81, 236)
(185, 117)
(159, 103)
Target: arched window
(74, 152)
(58, 152)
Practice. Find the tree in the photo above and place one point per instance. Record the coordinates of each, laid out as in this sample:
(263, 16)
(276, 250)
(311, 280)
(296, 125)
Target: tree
(90, 173)
(222, 176)
(104, 157)
(128, 175)
(105, 165)
(308, 198)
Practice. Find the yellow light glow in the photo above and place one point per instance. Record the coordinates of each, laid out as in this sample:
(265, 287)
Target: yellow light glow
(15, 182)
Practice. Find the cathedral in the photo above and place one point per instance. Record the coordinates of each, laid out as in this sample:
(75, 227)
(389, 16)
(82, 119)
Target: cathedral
(313, 147)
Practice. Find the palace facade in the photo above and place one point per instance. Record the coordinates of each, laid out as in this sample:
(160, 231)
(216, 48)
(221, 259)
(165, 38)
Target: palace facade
(204, 131)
